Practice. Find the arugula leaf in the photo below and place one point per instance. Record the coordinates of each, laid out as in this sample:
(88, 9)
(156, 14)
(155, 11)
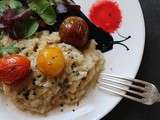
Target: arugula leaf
(15, 4)
(9, 49)
(49, 16)
(3, 6)
(44, 9)
(26, 28)
(30, 27)
(39, 6)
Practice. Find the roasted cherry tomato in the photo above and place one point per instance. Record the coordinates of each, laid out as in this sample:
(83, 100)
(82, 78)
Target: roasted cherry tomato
(13, 68)
(74, 31)
(50, 61)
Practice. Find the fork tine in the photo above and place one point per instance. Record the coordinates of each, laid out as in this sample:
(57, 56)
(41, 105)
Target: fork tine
(104, 84)
(131, 79)
(119, 81)
(120, 94)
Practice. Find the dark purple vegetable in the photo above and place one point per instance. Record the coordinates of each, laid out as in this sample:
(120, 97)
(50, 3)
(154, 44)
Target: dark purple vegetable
(10, 22)
(42, 24)
(7, 17)
(10, 17)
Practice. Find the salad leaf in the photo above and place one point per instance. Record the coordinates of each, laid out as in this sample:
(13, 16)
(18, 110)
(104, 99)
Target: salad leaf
(13, 24)
(30, 27)
(49, 16)
(3, 6)
(44, 9)
(26, 28)
(15, 4)
(9, 49)
(39, 6)
(12, 4)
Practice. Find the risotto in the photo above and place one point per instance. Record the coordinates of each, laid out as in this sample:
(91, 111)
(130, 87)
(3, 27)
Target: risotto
(39, 93)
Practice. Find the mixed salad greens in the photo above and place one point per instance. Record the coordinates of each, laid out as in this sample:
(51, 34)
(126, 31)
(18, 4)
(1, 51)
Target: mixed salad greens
(22, 18)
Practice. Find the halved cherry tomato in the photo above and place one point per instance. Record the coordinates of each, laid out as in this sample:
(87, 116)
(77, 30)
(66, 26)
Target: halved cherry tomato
(13, 68)
(50, 61)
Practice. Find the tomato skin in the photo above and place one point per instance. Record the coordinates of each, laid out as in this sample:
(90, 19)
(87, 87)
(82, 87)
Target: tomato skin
(13, 69)
(74, 31)
(50, 61)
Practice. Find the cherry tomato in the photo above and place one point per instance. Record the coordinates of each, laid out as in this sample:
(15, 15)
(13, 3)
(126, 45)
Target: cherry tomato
(74, 31)
(13, 68)
(50, 61)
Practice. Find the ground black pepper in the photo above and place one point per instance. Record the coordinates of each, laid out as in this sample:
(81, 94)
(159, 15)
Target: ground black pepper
(26, 94)
(33, 81)
(61, 105)
(34, 93)
(61, 110)
(39, 76)
(77, 103)
(73, 110)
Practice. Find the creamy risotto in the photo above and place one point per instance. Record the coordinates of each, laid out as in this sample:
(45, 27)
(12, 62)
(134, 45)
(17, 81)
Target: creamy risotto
(39, 93)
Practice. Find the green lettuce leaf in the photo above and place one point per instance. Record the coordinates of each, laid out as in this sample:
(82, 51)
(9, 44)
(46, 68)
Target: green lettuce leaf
(26, 28)
(15, 4)
(49, 16)
(44, 9)
(9, 49)
(3, 6)
(30, 27)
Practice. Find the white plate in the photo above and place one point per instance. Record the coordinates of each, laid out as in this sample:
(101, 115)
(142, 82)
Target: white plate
(118, 61)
